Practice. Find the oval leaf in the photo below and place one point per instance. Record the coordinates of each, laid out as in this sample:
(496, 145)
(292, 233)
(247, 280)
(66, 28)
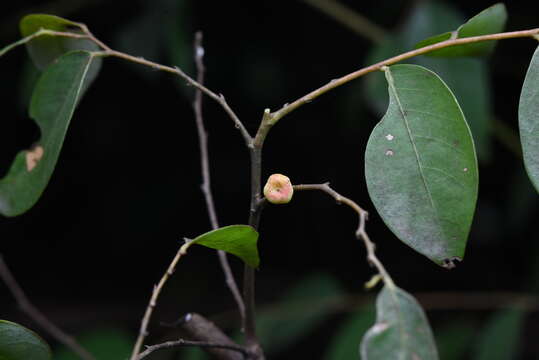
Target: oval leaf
(401, 330)
(53, 103)
(489, 21)
(528, 120)
(19, 343)
(420, 165)
(239, 240)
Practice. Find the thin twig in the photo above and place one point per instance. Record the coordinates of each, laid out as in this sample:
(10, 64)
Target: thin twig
(153, 300)
(201, 344)
(205, 168)
(361, 234)
(27, 307)
(286, 109)
(219, 98)
(349, 18)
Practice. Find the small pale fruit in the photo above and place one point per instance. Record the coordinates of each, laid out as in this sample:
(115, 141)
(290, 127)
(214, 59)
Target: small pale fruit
(278, 189)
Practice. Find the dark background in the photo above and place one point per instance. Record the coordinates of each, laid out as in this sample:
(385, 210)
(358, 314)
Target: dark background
(126, 188)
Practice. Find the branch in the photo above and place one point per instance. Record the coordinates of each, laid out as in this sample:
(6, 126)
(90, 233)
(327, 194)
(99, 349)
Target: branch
(200, 344)
(206, 181)
(288, 108)
(361, 234)
(153, 300)
(349, 18)
(203, 330)
(28, 308)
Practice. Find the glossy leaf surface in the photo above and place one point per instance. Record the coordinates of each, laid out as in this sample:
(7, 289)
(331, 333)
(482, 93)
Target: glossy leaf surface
(420, 165)
(489, 21)
(53, 103)
(528, 117)
(401, 331)
(19, 343)
(239, 240)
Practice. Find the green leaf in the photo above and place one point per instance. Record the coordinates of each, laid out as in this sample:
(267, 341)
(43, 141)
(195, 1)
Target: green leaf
(103, 344)
(468, 77)
(19, 343)
(489, 21)
(401, 330)
(239, 240)
(45, 49)
(344, 343)
(528, 120)
(53, 102)
(420, 165)
(499, 339)
(302, 309)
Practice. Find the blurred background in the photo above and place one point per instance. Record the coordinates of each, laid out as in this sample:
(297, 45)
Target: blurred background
(126, 187)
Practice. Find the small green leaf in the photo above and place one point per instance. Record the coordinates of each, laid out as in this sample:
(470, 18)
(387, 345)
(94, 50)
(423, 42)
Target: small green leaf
(420, 165)
(489, 21)
(401, 330)
(528, 120)
(239, 240)
(499, 339)
(53, 102)
(19, 343)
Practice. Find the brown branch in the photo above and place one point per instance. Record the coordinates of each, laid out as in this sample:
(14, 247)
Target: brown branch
(200, 344)
(205, 168)
(361, 234)
(288, 108)
(201, 329)
(36, 315)
(153, 300)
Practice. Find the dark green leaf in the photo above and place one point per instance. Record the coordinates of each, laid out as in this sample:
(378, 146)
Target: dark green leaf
(300, 311)
(420, 165)
(467, 77)
(499, 339)
(53, 102)
(19, 343)
(239, 240)
(401, 330)
(103, 344)
(344, 344)
(489, 21)
(528, 120)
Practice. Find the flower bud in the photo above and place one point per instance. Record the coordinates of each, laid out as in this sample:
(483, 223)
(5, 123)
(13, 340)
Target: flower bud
(278, 189)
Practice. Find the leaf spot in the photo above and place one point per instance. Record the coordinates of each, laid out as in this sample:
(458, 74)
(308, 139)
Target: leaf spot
(33, 156)
(465, 169)
(389, 152)
(389, 137)
(379, 327)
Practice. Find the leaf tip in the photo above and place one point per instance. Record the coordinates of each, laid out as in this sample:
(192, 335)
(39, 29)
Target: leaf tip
(449, 263)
